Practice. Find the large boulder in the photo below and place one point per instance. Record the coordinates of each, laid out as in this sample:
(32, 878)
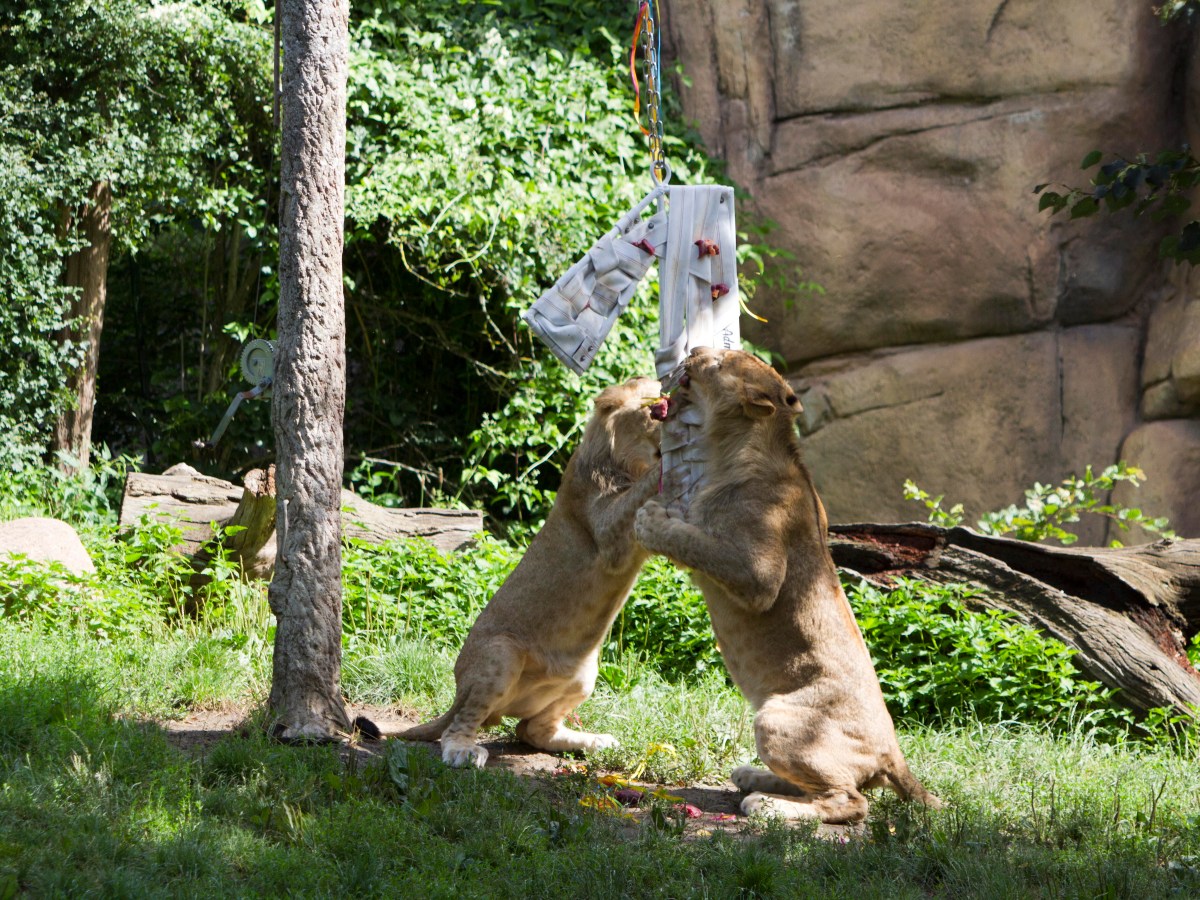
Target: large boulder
(45, 540)
(964, 339)
(1169, 453)
(1171, 367)
(978, 421)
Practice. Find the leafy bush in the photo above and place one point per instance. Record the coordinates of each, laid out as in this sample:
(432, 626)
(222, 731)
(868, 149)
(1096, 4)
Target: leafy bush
(86, 497)
(158, 100)
(409, 589)
(1048, 508)
(937, 660)
(665, 624)
(32, 305)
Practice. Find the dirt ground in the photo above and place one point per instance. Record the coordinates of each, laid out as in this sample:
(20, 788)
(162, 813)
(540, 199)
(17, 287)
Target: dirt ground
(708, 808)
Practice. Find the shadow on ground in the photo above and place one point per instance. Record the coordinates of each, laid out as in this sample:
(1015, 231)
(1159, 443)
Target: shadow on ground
(708, 808)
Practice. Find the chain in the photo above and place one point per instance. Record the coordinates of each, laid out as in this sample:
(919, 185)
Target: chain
(660, 172)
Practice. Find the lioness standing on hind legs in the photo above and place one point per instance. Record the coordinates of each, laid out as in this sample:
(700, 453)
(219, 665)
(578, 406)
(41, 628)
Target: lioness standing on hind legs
(533, 652)
(754, 535)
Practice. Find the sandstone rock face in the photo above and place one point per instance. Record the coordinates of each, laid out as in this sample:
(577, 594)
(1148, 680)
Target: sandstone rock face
(964, 339)
(1169, 452)
(45, 540)
(971, 420)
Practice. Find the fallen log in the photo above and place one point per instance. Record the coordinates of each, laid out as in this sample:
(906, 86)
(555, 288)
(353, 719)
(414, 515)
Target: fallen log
(250, 533)
(193, 502)
(1129, 612)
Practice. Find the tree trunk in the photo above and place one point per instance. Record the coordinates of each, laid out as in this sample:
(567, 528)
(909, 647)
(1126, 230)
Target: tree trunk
(1128, 611)
(87, 270)
(310, 375)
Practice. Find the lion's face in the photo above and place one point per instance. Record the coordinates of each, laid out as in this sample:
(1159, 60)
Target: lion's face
(626, 415)
(732, 384)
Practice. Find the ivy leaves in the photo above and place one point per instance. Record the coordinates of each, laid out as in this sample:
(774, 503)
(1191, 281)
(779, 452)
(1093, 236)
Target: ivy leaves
(157, 99)
(1157, 187)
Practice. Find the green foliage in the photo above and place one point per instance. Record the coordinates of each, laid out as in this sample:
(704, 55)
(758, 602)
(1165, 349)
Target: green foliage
(138, 94)
(139, 579)
(1048, 507)
(1159, 187)
(411, 590)
(489, 146)
(939, 661)
(83, 497)
(665, 624)
(1177, 9)
(947, 518)
(936, 658)
(32, 307)
(156, 99)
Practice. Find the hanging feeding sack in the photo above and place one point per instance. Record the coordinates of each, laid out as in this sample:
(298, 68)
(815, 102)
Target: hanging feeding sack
(575, 316)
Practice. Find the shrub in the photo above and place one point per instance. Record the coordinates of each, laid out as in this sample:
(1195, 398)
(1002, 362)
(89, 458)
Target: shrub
(665, 624)
(1048, 508)
(410, 589)
(937, 660)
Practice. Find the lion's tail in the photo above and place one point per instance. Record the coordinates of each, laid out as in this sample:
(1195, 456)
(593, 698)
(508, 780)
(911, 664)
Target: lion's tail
(432, 730)
(905, 783)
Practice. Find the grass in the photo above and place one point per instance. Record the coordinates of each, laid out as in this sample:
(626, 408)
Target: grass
(92, 801)
(1048, 795)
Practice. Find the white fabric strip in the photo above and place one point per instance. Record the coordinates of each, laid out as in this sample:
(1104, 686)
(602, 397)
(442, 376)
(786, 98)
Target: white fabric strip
(698, 307)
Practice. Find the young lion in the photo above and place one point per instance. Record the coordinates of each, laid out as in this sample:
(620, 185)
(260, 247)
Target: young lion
(533, 652)
(755, 536)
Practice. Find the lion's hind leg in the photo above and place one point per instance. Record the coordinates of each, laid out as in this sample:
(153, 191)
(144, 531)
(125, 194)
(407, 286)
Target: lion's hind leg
(482, 693)
(837, 807)
(546, 730)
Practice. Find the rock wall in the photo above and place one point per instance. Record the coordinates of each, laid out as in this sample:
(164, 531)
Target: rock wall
(964, 340)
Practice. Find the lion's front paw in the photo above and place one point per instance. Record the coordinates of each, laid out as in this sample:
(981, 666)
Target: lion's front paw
(460, 756)
(652, 522)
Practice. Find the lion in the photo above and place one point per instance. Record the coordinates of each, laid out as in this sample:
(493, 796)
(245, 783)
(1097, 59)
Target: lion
(755, 537)
(533, 653)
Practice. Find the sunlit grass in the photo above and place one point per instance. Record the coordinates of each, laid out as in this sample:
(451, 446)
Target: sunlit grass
(93, 801)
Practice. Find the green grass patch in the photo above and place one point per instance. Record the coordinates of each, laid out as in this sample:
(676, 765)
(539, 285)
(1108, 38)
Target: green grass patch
(94, 801)
(1050, 793)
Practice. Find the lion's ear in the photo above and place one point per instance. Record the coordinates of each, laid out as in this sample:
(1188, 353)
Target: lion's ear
(606, 403)
(757, 403)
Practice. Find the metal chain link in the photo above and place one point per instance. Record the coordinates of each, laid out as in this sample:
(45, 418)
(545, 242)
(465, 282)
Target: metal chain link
(660, 171)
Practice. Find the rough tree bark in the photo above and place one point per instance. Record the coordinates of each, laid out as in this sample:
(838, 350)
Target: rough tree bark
(1129, 611)
(310, 375)
(87, 270)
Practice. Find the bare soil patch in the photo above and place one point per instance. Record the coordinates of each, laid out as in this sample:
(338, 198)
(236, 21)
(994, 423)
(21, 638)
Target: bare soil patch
(708, 808)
